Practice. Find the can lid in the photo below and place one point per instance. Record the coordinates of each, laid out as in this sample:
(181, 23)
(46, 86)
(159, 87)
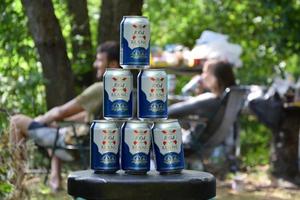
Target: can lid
(154, 69)
(134, 16)
(166, 121)
(116, 69)
(137, 121)
(103, 121)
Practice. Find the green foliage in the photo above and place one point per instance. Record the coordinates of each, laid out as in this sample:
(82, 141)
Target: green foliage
(94, 15)
(22, 89)
(255, 142)
(176, 22)
(268, 31)
(5, 186)
(20, 71)
(81, 65)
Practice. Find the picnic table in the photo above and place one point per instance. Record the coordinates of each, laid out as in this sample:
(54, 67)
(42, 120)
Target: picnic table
(188, 185)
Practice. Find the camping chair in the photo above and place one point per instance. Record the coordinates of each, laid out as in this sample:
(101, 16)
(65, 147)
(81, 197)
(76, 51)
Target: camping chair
(216, 129)
(81, 146)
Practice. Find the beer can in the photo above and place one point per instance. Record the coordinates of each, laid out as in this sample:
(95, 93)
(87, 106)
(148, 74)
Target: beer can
(134, 42)
(105, 142)
(117, 97)
(168, 147)
(136, 143)
(152, 94)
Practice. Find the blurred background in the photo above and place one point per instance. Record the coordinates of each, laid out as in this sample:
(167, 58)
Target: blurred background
(266, 35)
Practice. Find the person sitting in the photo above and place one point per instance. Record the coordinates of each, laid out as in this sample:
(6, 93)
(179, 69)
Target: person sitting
(216, 77)
(82, 109)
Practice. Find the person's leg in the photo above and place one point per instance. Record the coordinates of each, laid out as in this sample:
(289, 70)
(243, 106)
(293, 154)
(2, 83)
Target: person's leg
(18, 133)
(19, 125)
(55, 176)
(18, 128)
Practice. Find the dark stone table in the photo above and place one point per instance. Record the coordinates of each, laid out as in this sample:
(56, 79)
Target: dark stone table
(188, 185)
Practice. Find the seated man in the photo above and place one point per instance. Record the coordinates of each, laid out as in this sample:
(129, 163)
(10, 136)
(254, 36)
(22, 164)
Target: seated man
(81, 108)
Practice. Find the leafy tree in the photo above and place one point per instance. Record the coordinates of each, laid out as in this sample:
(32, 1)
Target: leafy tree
(20, 71)
(51, 47)
(267, 31)
(82, 51)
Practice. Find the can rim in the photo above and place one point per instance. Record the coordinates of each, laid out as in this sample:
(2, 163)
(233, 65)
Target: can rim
(166, 121)
(116, 69)
(136, 121)
(103, 121)
(154, 69)
(134, 16)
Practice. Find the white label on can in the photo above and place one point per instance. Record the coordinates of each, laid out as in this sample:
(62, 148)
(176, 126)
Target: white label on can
(137, 35)
(138, 140)
(168, 140)
(107, 140)
(118, 87)
(155, 88)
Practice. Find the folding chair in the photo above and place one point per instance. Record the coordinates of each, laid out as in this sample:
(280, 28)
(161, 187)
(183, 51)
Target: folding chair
(219, 126)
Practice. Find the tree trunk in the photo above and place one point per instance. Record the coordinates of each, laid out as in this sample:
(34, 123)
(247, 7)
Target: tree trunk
(82, 50)
(51, 47)
(111, 14)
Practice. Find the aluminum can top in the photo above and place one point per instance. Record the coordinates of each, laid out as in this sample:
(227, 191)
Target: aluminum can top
(118, 71)
(166, 123)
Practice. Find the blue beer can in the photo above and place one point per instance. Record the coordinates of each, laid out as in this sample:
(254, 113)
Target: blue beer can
(134, 42)
(168, 147)
(117, 97)
(105, 143)
(152, 94)
(136, 143)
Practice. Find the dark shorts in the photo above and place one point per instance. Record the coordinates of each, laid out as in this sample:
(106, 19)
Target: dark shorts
(44, 135)
(35, 125)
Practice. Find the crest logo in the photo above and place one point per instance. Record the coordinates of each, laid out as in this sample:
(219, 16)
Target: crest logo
(119, 107)
(106, 159)
(157, 107)
(139, 159)
(138, 54)
(171, 159)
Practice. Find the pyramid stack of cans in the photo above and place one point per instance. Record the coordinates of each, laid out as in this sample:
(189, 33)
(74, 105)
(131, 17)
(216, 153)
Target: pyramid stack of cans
(123, 140)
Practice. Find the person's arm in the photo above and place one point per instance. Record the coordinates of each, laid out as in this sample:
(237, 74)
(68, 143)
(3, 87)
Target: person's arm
(182, 109)
(197, 105)
(79, 117)
(61, 112)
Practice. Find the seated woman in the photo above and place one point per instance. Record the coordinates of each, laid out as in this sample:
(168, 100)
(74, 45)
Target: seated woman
(216, 77)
